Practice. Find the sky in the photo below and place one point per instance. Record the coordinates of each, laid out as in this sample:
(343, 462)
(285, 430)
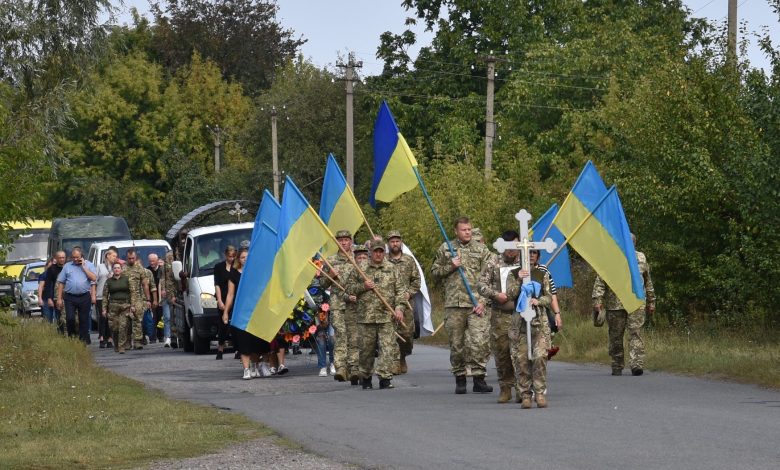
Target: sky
(334, 28)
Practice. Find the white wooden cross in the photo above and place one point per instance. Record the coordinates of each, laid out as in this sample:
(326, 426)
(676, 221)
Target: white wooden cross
(525, 245)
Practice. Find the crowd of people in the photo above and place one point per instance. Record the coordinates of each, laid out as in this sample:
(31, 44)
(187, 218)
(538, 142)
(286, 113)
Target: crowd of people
(132, 303)
(360, 321)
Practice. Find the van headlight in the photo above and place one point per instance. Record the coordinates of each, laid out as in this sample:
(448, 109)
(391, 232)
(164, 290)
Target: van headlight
(208, 301)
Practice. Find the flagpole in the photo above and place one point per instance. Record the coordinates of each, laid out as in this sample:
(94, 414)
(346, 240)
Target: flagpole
(578, 227)
(444, 234)
(361, 212)
(342, 288)
(362, 274)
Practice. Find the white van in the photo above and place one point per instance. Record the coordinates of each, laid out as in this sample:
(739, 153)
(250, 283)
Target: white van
(142, 247)
(196, 317)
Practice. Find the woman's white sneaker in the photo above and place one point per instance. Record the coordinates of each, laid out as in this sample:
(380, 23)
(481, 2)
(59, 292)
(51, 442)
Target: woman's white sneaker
(324, 372)
(247, 374)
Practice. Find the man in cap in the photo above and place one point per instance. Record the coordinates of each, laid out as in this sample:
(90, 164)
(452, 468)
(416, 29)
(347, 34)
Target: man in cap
(361, 253)
(477, 236)
(374, 320)
(503, 296)
(468, 325)
(410, 282)
(343, 312)
(618, 320)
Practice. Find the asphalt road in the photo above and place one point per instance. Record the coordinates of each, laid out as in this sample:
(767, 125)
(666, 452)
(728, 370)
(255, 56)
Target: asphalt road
(594, 420)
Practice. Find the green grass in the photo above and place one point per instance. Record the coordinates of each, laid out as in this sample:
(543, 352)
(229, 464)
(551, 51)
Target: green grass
(60, 410)
(742, 356)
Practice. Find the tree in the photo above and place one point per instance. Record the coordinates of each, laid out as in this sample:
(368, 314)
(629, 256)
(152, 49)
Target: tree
(242, 36)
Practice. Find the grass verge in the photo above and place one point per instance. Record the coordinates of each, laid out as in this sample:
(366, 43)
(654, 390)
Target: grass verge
(60, 410)
(743, 356)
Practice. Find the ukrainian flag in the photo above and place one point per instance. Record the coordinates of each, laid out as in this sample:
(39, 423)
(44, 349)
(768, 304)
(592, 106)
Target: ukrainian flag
(259, 263)
(338, 207)
(560, 269)
(596, 227)
(394, 163)
(300, 235)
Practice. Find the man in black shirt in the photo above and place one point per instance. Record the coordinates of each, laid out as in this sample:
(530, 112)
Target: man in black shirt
(154, 267)
(50, 287)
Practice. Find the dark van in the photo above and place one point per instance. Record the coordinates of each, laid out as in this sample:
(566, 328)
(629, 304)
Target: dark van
(68, 233)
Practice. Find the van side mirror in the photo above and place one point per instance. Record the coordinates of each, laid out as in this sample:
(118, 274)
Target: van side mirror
(176, 267)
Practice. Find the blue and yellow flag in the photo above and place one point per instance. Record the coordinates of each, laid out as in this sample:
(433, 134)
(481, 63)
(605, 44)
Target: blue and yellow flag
(394, 163)
(596, 227)
(259, 264)
(560, 268)
(300, 235)
(338, 207)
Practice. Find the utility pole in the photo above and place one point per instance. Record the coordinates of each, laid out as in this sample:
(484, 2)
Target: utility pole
(274, 154)
(732, 33)
(490, 125)
(349, 78)
(216, 132)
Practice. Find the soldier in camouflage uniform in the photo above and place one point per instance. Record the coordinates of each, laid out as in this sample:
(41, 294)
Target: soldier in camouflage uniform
(618, 319)
(168, 294)
(343, 312)
(374, 320)
(117, 299)
(410, 281)
(502, 306)
(468, 326)
(139, 284)
(531, 374)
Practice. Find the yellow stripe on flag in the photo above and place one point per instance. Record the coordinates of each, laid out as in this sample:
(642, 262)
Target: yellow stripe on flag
(399, 176)
(596, 246)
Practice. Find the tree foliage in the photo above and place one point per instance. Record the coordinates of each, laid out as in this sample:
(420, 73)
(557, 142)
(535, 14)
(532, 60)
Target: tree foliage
(242, 36)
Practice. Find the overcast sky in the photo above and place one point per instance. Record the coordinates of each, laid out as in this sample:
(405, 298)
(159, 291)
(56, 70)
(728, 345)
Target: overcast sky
(334, 27)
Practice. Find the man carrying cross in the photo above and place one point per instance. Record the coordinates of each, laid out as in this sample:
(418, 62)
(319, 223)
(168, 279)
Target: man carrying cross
(529, 355)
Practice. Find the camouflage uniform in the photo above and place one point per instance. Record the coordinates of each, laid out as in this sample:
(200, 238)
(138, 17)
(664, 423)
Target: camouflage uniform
(489, 286)
(532, 375)
(170, 286)
(118, 308)
(469, 333)
(374, 321)
(618, 319)
(410, 282)
(138, 277)
(343, 316)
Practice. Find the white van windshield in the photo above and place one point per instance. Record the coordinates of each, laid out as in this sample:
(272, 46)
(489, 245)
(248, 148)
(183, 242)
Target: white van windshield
(210, 249)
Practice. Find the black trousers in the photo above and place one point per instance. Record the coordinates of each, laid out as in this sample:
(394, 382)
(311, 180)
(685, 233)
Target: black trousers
(81, 305)
(103, 329)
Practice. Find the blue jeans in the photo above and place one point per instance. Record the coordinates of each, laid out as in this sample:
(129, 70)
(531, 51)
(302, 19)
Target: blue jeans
(47, 313)
(166, 317)
(324, 348)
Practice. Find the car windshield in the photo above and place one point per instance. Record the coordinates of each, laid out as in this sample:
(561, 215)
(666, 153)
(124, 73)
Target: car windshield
(84, 243)
(143, 252)
(30, 245)
(34, 272)
(210, 249)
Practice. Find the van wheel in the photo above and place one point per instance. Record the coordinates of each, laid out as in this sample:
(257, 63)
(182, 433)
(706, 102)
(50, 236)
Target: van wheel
(201, 345)
(187, 341)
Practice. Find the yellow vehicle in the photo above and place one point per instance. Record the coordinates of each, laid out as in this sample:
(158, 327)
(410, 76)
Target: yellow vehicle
(28, 243)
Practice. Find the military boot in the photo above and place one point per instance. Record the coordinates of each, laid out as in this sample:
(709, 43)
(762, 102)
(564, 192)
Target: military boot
(367, 383)
(403, 369)
(506, 394)
(385, 383)
(617, 371)
(354, 379)
(525, 402)
(480, 386)
(541, 401)
(340, 375)
(460, 384)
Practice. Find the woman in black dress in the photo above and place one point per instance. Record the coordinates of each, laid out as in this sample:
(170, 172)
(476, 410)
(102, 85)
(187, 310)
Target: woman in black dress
(248, 345)
(221, 276)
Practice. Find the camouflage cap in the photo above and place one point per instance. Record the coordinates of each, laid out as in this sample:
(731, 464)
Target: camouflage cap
(343, 234)
(376, 245)
(360, 249)
(476, 234)
(393, 234)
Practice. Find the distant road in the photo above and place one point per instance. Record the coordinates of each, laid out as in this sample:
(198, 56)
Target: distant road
(595, 421)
